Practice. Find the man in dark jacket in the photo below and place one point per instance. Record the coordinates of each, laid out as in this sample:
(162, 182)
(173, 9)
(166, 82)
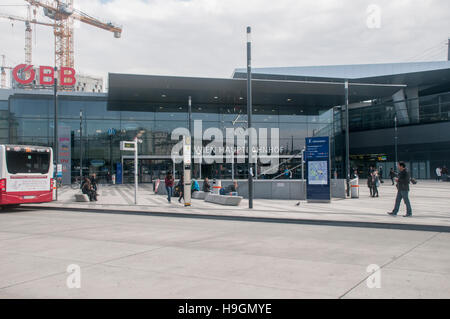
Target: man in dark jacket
(403, 181)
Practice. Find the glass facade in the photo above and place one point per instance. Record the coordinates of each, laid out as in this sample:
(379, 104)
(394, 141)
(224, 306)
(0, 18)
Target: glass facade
(432, 109)
(29, 119)
(421, 158)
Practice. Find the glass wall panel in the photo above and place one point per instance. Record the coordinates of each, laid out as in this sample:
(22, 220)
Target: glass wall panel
(32, 127)
(100, 128)
(30, 107)
(206, 112)
(288, 130)
(233, 114)
(171, 113)
(3, 106)
(141, 112)
(265, 114)
(292, 115)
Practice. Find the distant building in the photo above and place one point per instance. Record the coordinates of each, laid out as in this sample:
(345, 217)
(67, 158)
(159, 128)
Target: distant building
(86, 83)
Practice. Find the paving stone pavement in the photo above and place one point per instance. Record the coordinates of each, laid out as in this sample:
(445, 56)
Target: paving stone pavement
(430, 201)
(145, 256)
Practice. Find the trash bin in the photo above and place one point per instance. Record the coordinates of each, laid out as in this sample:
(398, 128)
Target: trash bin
(354, 186)
(217, 185)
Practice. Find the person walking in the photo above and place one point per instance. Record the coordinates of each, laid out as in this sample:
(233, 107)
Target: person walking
(181, 188)
(444, 173)
(380, 174)
(376, 183)
(373, 183)
(392, 175)
(370, 183)
(438, 174)
(403, 181)
(169, 181)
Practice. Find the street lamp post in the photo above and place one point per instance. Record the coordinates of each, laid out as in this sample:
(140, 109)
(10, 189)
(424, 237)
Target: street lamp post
(347, 139)
(136, 163)
(55, 130)
(249, 115)
(396, 141)
(81, 145)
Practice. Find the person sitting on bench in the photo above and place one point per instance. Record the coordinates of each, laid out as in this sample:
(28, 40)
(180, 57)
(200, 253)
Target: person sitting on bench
(195, 187)
(206, 185)
(89, 190)
(230, 189)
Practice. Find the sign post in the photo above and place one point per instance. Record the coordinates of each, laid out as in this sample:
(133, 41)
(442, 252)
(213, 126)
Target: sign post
(136, 175)
(132, 146)
(317, 157)
(187, 170)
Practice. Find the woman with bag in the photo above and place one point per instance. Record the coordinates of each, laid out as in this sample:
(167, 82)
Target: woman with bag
(376, 183)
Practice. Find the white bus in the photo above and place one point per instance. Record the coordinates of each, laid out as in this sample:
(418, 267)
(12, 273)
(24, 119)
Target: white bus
(26, 174)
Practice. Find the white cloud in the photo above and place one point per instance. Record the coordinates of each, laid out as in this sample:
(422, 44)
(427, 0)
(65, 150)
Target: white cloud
(207, 37)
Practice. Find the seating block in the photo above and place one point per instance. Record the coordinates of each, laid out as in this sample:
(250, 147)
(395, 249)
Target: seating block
(223, 199)
(199, 195)
(81, 198)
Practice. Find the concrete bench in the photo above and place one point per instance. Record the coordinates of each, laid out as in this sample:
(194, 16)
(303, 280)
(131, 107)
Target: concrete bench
(81, 198)
(223, 199)
(199, 195)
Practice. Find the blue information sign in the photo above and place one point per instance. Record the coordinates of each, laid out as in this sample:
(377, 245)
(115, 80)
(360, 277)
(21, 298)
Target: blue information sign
(317, 158)
(119, 173)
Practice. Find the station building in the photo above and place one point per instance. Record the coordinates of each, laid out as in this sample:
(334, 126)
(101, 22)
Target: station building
(300, 101)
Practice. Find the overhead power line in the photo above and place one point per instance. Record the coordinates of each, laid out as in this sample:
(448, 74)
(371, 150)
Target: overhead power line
(426, 52)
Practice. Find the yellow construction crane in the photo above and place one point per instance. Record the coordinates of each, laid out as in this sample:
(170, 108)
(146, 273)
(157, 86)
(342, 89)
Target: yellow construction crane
(63, 14)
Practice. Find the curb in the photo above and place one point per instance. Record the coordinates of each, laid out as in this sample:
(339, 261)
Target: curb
(314, 222)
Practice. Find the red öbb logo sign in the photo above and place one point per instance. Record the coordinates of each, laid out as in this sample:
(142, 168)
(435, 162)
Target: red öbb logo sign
(46, 75)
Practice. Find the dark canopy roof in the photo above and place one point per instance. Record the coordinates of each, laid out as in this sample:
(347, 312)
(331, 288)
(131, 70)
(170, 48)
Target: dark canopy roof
(418, 74)
(126, 90)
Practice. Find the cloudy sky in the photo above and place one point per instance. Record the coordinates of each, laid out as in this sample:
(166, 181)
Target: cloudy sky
(207, 37)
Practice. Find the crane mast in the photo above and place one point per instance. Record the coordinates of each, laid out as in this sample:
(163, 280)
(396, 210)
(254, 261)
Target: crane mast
(28, 32)
(63, 14)
(3, 72)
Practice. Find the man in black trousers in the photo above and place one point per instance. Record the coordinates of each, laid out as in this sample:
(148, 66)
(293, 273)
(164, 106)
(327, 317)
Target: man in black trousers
(403, 181)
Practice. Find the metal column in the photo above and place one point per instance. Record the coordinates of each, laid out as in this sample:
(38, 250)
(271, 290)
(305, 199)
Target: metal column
(81, 145)
(249, 115)
(347, 138)
(55, 132)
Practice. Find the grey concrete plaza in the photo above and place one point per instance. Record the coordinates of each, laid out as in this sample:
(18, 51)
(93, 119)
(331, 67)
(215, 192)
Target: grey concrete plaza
(430, 201)
(126, 255)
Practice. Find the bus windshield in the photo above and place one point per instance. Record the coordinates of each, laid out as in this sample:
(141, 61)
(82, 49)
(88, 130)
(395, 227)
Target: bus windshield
(27, 162)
